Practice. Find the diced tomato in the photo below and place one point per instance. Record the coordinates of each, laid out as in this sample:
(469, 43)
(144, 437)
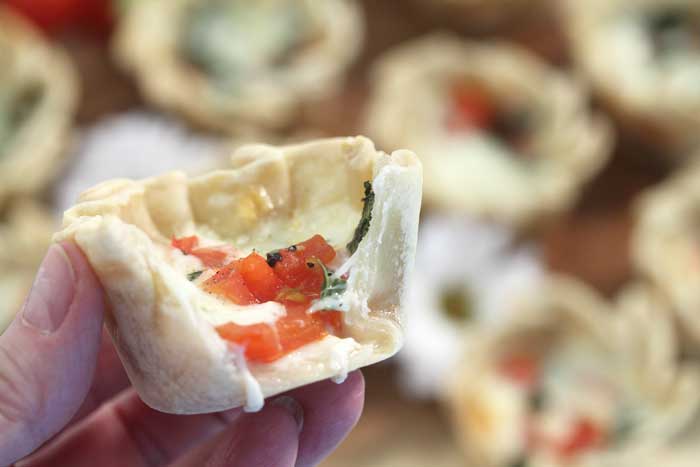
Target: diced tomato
(260, 341)
(298, 265)
(259, 277)
(228, 283)
(473, 109)
(316, 247)
(293, 277)
(265, 343)
(521, 369)
(584, 436)
(211, 257)
(57, 15)
(185, 244)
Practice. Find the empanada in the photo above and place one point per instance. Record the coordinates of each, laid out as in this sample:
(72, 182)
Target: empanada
(230, 64)
(219, 286)
(38, 96)
(500, 133)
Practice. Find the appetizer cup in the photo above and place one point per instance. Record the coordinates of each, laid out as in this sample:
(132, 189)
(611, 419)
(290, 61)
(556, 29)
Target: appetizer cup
(38, 96)
(229, 65)
(240, 284)
(665, 246)
(501, 134)
(569, 382)
(643, 58)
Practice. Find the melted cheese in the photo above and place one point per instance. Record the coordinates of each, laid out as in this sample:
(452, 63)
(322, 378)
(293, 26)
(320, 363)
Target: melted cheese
(217, 312)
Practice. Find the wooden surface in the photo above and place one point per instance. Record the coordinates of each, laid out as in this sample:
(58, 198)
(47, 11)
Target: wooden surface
(590, 242)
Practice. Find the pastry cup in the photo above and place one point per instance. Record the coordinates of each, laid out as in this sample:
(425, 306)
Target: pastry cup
(25, 234)
(593, 365)
(147, 43)
(40, 75)
(272, 198)
(664, 246)
(618, 46)
(474, 172)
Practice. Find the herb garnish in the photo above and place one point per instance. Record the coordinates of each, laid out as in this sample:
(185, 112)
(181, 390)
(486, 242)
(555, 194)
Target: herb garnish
(194, 275)
(273, 258)
(363, 226)
(332, 285)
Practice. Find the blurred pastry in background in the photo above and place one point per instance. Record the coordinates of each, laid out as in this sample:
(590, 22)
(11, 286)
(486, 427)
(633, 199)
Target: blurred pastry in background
(643, 57)
(666, 245)
(570, 382)
(229, 64)
(502, 135)
(136, 144)
(467, 274)
(25, 234)
(38, 96)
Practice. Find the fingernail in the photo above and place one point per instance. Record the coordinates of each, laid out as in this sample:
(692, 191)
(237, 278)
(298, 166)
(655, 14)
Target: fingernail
(52, 292)
(293, 407)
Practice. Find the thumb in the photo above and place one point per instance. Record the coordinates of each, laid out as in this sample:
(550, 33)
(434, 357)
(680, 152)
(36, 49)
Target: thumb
(49, 352)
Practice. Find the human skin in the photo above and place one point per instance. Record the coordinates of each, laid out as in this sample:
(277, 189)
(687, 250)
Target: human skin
(65, 398)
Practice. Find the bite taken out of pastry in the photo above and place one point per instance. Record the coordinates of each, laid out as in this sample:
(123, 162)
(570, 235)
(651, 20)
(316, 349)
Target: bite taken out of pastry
(229, 287)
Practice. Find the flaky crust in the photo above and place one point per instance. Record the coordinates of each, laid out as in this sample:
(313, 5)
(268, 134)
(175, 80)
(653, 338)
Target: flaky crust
(664, 246)
(570, 143)
(273, 197)
(653, 106)
(25, 234)
(633, 334)
(34, 154)
(146, 44)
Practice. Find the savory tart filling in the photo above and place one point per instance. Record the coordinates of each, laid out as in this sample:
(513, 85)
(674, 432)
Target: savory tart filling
(297, 277)
(475, 110)
(233, 41)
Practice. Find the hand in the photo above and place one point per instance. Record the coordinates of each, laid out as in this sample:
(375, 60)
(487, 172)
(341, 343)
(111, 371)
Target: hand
(63, 387)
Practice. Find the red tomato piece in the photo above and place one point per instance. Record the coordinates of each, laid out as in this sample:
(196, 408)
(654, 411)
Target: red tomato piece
(185, 244)
(259, 277)
(211, 257)
(228, 283)
(584, 436)
(521, 369)
(49, 15)
(259, 341)
(298, 266)
(264, 343)
(473, 109)
(316, 247)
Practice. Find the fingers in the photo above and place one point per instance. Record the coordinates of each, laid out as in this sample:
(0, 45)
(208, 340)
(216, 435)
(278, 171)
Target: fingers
(264, 439)
(125, 431)
(330, 412)
(109, 380)
(48, 354)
